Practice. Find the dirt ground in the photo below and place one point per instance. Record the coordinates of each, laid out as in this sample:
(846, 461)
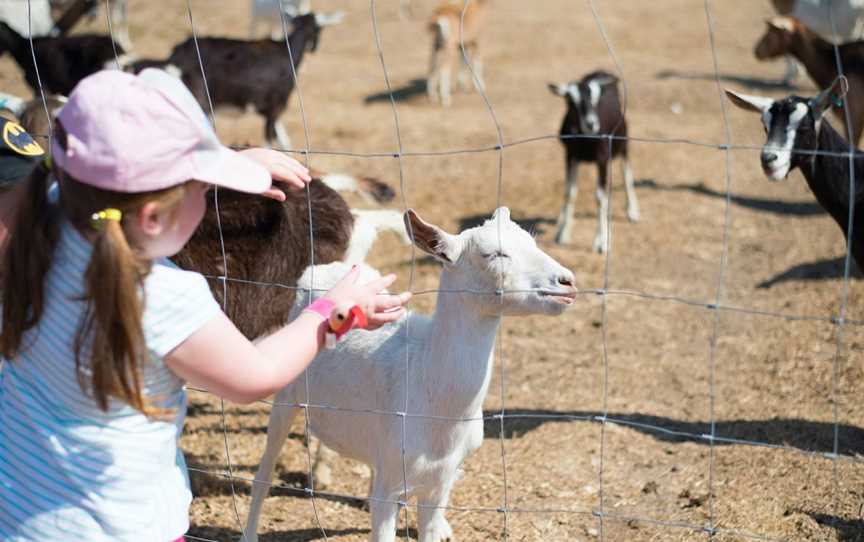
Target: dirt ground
(773, 380)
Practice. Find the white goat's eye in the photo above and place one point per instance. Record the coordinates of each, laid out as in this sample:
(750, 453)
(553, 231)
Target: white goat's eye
(496, 254)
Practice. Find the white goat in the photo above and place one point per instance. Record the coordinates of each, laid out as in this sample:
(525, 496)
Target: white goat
(489, 271)
(15, 14)
(269, 14)
(447, 26)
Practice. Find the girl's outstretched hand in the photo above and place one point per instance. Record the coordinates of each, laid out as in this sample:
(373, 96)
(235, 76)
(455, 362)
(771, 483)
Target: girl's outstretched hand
(282, 168)
(380, 307)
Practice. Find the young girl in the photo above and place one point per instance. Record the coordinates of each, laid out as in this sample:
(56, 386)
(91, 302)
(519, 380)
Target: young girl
(100, 333)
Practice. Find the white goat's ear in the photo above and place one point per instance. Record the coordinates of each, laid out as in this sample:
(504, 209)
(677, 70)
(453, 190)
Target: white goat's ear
(501, 213)
(758, 104)
(832, 95)
(327, 19)
(558, 89)
(431, 239)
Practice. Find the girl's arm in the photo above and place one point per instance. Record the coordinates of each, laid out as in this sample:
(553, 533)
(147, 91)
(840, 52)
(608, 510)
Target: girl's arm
(220, 359)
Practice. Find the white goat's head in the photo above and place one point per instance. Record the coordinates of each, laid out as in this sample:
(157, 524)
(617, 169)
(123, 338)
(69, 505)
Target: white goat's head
(498, 267)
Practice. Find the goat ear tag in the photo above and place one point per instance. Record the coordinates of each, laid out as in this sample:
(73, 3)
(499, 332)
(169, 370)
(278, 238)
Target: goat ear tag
(18, 140)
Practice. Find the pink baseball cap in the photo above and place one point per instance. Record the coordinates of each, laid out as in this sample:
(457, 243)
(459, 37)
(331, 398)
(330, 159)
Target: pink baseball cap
(136, 133)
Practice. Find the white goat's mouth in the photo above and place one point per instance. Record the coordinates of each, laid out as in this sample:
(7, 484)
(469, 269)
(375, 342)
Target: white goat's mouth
(564, 298)
(777, 173)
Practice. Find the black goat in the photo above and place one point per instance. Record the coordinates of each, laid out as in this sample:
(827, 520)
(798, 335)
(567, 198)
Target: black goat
(796, 124)
(256, 74)
(593, 110)
(63, 61)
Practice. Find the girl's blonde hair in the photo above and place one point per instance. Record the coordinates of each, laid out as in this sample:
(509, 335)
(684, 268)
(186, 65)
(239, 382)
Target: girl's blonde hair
(113, 282)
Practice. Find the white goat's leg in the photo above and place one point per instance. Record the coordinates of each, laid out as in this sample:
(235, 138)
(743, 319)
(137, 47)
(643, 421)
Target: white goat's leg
(565, 218)
(120, 24)
(253, 26)
(477, 64)
(432, 78)
(432, 526)
(404, 9)
(444, 85)
(322, 475)
(384, 511)
(791, 74)
(282, 135)
(632, 202)
(601, 242)
(277, 431)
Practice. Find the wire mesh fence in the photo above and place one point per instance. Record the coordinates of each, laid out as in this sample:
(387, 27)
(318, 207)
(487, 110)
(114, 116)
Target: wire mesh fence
(715, 306)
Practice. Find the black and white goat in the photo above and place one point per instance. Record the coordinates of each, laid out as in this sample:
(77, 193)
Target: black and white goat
(593, 110)
(796, 131)
(63, 61)
(250, 74)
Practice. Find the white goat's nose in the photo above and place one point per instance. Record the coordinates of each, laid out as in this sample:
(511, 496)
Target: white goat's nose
(566, 278)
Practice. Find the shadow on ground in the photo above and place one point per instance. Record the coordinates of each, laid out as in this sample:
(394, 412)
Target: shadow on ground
(818, 270)
(848, 530)
(414, 89)
(785, 208)
(296, 535)
(805, 435)
(752, 83)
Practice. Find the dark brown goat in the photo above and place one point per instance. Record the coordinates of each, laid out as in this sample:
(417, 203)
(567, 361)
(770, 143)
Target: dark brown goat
(242, 73)
(593, 111)
(253, 227)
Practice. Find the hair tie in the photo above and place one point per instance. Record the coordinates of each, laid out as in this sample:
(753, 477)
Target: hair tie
(98, 218)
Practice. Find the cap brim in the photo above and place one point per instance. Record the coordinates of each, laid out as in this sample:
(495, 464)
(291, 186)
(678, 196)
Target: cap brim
(231, 169)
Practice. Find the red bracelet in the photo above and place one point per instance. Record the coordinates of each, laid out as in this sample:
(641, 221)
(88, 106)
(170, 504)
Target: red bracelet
(322, 307)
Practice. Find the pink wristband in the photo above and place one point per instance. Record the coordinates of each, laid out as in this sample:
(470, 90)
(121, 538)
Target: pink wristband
(322, 307)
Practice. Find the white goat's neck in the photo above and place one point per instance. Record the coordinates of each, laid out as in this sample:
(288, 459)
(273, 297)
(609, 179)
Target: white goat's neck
(457, 365)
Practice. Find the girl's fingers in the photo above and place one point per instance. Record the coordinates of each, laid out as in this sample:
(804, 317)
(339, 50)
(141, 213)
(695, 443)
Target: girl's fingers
(379, 319)
(379, 284)
(388, 302)
(274, 193)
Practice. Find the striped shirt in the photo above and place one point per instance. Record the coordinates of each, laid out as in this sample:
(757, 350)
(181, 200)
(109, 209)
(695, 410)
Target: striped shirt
(69, 471)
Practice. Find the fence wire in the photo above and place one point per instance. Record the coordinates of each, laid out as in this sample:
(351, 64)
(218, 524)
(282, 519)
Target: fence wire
(603, 418)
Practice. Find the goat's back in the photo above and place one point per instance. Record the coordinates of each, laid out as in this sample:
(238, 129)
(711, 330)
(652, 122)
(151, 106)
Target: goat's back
(238, 72)
(64, 61)
(267, 248)
(472, 23)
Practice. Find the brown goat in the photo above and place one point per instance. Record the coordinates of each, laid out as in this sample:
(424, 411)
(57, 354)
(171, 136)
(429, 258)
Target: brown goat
(448, 26)
(786, 35)
(267, 248)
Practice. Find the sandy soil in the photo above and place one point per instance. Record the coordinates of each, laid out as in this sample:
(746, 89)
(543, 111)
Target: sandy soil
(775, 380)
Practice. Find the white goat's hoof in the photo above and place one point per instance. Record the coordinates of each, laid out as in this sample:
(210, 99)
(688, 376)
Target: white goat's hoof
(562, 237)
(438, 531)
(600, 245)
(633, 214)
(322, 476)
